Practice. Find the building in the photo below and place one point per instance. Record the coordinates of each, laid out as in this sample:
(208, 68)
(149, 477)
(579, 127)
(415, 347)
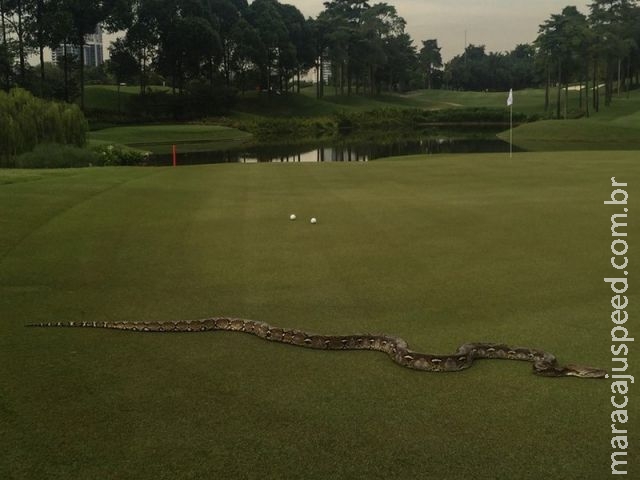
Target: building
(93, 50)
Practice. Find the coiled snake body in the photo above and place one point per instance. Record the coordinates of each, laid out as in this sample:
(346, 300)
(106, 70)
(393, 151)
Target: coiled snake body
(544, 363)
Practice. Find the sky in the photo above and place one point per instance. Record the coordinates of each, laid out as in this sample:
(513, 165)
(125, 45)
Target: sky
(498, 24)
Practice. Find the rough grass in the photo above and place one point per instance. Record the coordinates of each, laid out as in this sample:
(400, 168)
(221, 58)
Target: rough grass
(105, 97)
(439, 250)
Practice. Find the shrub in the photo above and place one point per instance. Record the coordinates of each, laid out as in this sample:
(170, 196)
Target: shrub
(117, 155)
(27, 121)
(414, 118)
(65, 156)
(57, 156)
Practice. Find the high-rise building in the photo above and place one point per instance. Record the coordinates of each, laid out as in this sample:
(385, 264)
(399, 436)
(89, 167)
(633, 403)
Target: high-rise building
(93, 50)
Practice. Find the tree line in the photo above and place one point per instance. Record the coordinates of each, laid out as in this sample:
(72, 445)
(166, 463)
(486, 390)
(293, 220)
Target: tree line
(602, 48)
(351, 47)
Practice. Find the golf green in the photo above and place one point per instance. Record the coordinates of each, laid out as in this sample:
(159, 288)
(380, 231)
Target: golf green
(439, 250)
(160, 138)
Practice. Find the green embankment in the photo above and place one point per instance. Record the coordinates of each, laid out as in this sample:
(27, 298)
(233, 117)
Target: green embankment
(114, 99)
(440, 250)
(613, 128)
(255, 105)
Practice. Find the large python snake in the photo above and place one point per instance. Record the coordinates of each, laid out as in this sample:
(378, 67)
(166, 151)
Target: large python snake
(544, 363)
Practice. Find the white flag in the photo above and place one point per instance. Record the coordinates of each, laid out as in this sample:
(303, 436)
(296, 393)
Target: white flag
(510, 98)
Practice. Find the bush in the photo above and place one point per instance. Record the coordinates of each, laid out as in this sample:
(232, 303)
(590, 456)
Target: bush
(27, 121)
(57, 156)
(64, 156)
(414, 118)
(117, 155)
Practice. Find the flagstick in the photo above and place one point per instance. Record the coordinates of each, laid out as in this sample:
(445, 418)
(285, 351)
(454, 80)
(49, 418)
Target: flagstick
(511, 131)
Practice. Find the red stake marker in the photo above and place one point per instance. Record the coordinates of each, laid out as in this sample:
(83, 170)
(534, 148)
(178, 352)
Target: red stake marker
(174, 155)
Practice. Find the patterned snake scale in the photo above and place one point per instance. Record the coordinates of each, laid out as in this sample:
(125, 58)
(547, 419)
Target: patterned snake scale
(544, 363)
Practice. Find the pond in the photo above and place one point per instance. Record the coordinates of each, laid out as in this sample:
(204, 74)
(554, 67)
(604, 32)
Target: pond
(348, 148)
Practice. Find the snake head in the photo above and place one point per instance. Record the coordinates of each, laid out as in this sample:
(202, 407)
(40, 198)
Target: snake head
(584, 372)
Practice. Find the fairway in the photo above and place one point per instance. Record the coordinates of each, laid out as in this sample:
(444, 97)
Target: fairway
(438, 250)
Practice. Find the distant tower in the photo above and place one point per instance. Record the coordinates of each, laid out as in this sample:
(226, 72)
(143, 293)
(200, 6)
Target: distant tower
(93, 50)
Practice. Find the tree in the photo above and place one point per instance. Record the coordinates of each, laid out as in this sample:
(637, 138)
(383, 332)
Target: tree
(41, 29)
(522, 68)
(85, 16)
(613, 26)
(470, 71)
(246, 52)
(59, 33)
(187, 45)
(381, 26)
(359, 37)
(332, 33)
(3, 21)
(228, 41)
(13, 15)
(430, 59)
(399, 68)
(143, 24)
(317, 44)
(225, 15)
(6, 51)
(562, 40)
(266, 19)
(6, 62)
(123, 63)
(296, 46)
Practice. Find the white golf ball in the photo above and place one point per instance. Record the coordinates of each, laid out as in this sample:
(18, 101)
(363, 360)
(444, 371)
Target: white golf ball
(313, 220)
(292, 217)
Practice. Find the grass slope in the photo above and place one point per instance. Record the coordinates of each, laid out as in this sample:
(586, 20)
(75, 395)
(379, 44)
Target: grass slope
(305, 104)
(107, 97)
(441, 251)
(613, 128)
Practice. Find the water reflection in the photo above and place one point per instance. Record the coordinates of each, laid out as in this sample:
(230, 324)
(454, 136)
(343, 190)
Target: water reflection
(340, 151)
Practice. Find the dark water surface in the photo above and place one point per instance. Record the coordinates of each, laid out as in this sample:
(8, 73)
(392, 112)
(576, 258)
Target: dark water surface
(346, 149)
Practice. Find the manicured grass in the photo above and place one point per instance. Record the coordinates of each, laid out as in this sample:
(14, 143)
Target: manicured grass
(554, 135)
(440, 250)
(613, 128)
(160, 138)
